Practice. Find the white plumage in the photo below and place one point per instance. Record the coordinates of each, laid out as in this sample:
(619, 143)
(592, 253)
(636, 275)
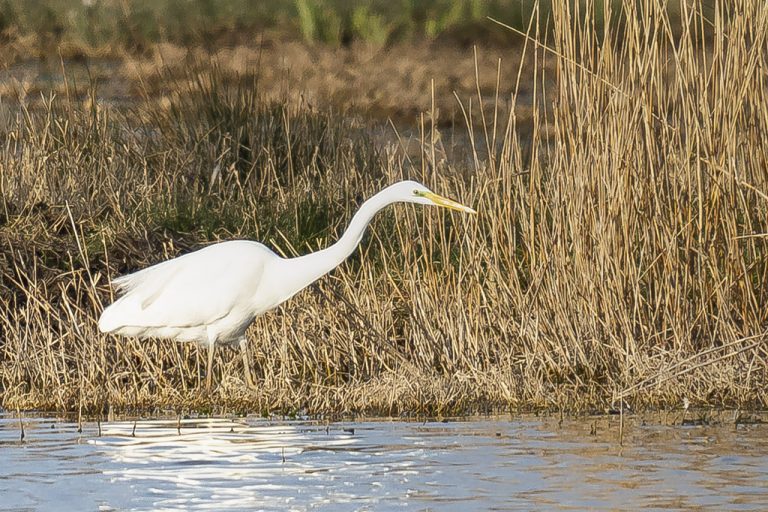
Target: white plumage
(212, 295)
(193, 296)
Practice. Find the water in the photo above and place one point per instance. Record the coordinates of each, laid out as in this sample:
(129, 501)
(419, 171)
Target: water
(254, 464)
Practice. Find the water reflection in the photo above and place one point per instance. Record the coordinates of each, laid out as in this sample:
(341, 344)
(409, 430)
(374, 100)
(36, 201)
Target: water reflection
(252, 464)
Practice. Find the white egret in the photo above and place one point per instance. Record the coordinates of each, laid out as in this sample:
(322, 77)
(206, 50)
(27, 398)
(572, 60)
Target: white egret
(212, 295)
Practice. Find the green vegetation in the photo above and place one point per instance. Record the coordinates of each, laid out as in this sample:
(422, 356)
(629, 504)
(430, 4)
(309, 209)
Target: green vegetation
(620, 246)
(112, 27)
(135, 26)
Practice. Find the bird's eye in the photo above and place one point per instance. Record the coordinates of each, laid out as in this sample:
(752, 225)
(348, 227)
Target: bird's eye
(416, 192)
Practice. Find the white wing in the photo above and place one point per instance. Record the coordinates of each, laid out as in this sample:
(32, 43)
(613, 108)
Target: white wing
(195, 289)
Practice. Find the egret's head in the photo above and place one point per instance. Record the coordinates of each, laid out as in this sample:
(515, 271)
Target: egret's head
(415, 192)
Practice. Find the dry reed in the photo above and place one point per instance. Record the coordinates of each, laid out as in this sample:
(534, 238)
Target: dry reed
(621, 242)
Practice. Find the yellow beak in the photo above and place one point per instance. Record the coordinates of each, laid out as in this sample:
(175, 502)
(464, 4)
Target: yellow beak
(448, 203)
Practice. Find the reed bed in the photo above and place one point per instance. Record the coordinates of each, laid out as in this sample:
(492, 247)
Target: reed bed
(619, 257)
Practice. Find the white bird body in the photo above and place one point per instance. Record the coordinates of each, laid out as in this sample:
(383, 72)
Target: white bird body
(215, 308)
(212, 295)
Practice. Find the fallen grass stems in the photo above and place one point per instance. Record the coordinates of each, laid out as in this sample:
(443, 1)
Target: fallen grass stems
(619, 250)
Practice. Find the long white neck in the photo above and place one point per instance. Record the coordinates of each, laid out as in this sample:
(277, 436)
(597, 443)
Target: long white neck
(310, 267)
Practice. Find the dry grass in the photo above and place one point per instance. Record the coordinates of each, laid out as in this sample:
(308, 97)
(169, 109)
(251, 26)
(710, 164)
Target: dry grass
(620, 245)
(374, 83)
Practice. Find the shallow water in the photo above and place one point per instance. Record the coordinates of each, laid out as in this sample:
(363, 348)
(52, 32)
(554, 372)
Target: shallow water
(254, 464)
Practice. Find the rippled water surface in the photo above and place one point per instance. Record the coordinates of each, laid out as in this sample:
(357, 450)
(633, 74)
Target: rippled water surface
(254, 464)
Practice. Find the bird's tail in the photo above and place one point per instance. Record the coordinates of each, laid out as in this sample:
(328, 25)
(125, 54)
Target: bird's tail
(108, 321)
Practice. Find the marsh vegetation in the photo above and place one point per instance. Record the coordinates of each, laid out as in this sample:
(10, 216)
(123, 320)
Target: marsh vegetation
(621, 174)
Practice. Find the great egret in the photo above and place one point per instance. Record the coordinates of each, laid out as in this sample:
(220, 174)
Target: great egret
(212, 295)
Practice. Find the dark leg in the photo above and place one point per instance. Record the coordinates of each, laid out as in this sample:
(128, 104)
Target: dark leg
(211, 348)
(246, 362)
